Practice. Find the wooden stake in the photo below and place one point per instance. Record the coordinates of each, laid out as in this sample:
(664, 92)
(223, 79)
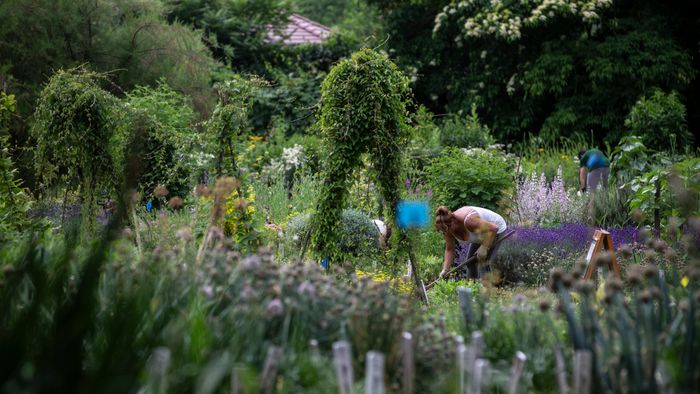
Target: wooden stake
(158, 368)
(374, 373)
(480, 376)
(343, 366)
(236, 386)
(561, 370)
(583, 361)
(516, 371)
(465, 304)
(269, 374)
(478, 344)
(408, 367)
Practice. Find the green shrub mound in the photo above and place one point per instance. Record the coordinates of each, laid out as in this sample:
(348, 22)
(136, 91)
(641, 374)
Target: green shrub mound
(661, 122)
(358, 236)
(477, 178)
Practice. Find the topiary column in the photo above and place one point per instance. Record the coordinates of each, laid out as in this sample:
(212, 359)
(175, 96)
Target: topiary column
(363, 110)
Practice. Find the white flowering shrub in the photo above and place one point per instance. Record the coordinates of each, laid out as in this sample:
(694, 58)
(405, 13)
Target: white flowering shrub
(506, 20)
(289, 162)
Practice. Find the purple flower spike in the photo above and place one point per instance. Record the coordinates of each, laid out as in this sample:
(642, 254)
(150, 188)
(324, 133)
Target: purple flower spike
(408, 183)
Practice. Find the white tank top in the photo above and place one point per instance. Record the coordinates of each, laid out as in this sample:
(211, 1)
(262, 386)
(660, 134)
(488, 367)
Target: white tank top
(487, 215)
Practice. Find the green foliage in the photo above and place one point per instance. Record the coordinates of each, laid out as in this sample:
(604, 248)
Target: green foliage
(671, 190)
(74, 130)
(661, 122)
(465, 133)
(229, 121)
(560, 68)
(480, 179)
(14, 202)
(129, 38)
(629, 160)
(358, 236)
(363, 110)
(171, 146)
(609, 208)
(235, 31)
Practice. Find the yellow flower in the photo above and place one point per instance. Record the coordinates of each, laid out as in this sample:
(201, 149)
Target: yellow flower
(540, 150)
(684, 281)
(250, 210)
(255, 138)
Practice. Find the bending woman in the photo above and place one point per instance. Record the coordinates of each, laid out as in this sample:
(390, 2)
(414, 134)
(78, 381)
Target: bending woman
(478, 227)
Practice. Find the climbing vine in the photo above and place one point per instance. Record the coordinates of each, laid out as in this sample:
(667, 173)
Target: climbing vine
(363, 111)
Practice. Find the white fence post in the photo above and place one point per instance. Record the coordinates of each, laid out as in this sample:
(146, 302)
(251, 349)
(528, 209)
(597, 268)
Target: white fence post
(374, 373)
(342, 361)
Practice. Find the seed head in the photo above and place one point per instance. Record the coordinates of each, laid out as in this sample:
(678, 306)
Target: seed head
(585, 287)
(160, 191)
(175, 202)
(184, 233)
(645, 296)
(275, 308)
(655, 292)
(202, 191)
(638, 216)
(614, 285)
(660, 245)
(634, 275)
(544, 305)
(555, 277)
(626, 251)
(650, 271)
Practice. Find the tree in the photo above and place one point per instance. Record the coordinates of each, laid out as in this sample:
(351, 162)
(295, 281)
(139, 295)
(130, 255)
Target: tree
(560, 67)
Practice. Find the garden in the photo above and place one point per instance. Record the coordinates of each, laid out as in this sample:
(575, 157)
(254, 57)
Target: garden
(187, 205)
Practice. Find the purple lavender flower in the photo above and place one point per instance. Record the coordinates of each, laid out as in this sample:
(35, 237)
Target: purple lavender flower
(408, 183)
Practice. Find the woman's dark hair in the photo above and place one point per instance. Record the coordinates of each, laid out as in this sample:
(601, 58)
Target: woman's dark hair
(443, 217)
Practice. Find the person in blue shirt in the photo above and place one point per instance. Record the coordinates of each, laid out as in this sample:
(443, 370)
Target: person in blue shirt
(594, 169)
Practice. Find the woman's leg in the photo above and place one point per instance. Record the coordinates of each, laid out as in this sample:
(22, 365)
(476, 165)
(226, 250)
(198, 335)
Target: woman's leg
(472, 266)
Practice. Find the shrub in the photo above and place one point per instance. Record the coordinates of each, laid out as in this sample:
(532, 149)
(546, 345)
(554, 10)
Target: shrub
(74, 130)
(465, 132)
(546, 204)
(358, 234)
(480, 178)
(661, 121)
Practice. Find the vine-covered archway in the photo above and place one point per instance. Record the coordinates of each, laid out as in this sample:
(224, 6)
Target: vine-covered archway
(363, 111)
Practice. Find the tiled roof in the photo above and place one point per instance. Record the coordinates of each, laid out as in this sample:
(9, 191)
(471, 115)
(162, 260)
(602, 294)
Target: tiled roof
(300, 31)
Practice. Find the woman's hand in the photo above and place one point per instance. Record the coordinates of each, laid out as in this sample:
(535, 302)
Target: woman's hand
(443, 274)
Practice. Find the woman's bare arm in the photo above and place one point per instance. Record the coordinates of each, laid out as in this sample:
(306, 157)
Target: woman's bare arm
(449, 252)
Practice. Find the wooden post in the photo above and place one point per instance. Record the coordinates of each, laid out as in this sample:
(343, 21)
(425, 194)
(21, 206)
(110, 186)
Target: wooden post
(461, 366)
(480, 376)
(478, 344)
(236, 386)
(408, 363)
(583, 362)
(465, 304)
(516, 371)
(158, 368)
(561, 370)
(374, 373)
(342, 361)
(269, 374)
